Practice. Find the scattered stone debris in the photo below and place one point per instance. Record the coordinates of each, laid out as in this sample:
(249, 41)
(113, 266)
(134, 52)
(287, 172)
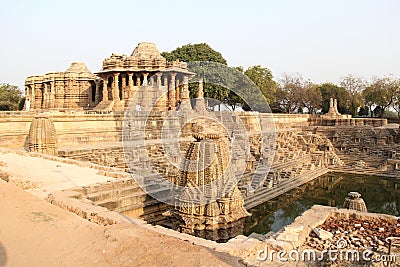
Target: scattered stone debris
(4, 176)
(24, 185)
(355, 234)
(322, 234)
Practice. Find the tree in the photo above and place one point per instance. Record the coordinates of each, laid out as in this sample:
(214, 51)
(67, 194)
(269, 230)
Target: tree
(364, 111)
(330, 90)
(233, 100)
(263, 78)
(297, 93)
(311, 97)
(252, 84)
(222, 83)
(10, 97)
(354, 87)
(195, 52)
(198, 53)
(381, 94)
(287, 95)
(396, 98)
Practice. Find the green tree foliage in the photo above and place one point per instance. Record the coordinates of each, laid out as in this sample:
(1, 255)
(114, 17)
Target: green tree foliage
(330, 90)
(250, 84)
(263, 78)
(381, 93)
(10, 97)
(233, 100)
(254, 88)
(202, 53)
(364, 111)
(312, 97)
(225, 84)
(195, 52)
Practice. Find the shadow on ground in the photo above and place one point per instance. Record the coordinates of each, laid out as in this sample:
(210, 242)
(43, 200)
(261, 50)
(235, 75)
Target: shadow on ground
(228, 259)
(3, 255)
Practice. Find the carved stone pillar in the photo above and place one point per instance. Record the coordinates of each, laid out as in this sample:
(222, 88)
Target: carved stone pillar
(89, 94)
(124, 89)
(116, 87)
(172, 99)
(52, 100)
(145, 74)
(123, 80)
(27, 93)
(33, 96)
(105, 88)
(45, 96)
(177, 89)
(138, 79)
(158, 74)
(185, 89)
(97, 95)
(130, 85)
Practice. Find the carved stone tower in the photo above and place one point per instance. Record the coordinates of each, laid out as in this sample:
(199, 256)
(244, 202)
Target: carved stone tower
(42, 136)
(211, 205)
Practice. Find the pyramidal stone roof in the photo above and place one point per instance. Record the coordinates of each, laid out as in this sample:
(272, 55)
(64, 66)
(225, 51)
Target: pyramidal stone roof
(78, 67)
(146, 50)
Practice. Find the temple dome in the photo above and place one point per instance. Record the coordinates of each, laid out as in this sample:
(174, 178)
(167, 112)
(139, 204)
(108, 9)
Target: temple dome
(147, 51)
(78, 67)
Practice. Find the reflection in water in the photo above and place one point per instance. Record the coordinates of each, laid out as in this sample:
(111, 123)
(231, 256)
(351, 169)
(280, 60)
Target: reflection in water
(380, 194)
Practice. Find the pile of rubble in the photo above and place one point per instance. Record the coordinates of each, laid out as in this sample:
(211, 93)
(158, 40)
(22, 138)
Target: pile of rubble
(355, 234)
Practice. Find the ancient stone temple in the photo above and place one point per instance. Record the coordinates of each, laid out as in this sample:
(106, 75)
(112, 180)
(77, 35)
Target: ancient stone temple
(73, 89)
(122, 76)
(206, 174)
(114, 85)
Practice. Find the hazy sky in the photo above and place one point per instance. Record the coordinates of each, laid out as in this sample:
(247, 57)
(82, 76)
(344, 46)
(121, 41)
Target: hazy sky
(322, 40)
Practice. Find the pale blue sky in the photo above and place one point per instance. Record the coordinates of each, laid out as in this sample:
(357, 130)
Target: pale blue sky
(323, 40)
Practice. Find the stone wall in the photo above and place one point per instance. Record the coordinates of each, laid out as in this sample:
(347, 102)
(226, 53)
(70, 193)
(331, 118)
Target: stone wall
(365, 149)
(348, 122)
(79, 128)
(73, 129)
(14, 128)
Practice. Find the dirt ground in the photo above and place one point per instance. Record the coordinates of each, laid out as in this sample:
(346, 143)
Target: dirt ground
(41, 176)
(35, 233)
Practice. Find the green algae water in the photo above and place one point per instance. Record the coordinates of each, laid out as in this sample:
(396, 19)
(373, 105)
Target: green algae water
(381, 195)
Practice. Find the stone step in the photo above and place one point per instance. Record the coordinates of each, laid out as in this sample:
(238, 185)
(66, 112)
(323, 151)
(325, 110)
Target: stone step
(114, 193)
(264, 194)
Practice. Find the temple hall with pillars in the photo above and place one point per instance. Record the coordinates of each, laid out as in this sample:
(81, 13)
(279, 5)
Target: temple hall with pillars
(144, 72)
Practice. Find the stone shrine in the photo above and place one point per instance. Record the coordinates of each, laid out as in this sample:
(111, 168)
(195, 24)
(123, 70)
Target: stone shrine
(73, 89)
(207, 174)
(333, 112)
(114, 85)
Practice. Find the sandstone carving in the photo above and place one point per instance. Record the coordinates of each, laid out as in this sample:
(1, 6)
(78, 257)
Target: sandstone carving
(42, 136)
(208, 165)
(354, 201)
(114, 85)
